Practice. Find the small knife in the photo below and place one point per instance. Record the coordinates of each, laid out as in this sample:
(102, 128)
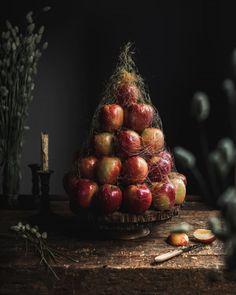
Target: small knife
(166, 256)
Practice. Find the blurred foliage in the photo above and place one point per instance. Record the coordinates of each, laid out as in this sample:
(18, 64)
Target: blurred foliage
(216, 176)
(219, 187)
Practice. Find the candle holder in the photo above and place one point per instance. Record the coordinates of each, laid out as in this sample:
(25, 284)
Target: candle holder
(45, 188)
(45, 218)
(35, 179)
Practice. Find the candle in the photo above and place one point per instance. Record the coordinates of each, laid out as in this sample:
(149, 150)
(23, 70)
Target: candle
(44, 151)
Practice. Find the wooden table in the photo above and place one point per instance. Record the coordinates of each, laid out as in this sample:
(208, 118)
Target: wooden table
(110, 266)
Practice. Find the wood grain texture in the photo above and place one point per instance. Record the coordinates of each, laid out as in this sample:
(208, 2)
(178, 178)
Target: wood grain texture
(107, 266)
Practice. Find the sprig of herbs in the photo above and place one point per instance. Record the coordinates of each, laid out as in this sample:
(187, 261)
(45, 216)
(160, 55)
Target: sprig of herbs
(38, 241)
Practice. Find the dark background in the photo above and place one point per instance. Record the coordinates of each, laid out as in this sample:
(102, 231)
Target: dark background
(182, 47)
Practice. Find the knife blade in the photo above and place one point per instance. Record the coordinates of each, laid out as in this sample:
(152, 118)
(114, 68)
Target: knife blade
(166, 256)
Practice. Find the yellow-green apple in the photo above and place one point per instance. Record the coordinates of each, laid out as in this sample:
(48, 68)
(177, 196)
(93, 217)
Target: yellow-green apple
(179, 181)
(111, 117)
(109, 198)
(163, 195)
(174, 174)
(159, 168)
(70, 181)
(139, 116)
(178, 239)
(153, 140)
(104, 143)
(128, 143)
(85, 193)
(137, 198)
(127, 93)
(108, 170)
(134, 170)
(180, 190)
(87, 167)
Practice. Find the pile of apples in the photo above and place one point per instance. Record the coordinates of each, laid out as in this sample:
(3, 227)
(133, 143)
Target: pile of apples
(129, 169)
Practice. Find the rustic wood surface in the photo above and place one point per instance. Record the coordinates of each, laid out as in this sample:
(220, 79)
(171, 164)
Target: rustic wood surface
(109, 266)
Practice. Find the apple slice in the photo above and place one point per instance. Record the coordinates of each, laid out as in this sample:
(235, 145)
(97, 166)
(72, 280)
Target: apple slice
(204, 236)
(178, 239)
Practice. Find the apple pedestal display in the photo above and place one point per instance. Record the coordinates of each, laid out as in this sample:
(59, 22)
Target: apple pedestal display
(124, 181)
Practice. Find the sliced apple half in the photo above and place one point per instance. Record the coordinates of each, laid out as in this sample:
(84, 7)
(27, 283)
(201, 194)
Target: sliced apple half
(205, 236)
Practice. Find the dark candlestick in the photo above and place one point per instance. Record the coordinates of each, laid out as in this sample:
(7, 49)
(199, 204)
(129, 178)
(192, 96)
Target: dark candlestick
(35, 179)
(45, 188)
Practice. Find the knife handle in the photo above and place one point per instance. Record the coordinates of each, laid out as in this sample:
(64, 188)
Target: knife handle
(168, 255)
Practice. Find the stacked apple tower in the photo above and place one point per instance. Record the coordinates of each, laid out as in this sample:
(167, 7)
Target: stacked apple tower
(125, 166)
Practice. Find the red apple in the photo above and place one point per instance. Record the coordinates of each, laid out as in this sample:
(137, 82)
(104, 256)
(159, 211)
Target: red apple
(108, 170)
(111, 117)
(85, 192)
(180, 190)
(137, 198)
(153, 140)
(167, 156)
(87, 166)
(139, 116)
(163, 195)
(109, 198)
(104, 143)
(70, 181)
(127, 93)
(129, 143)
(134, 170)
(159, 168)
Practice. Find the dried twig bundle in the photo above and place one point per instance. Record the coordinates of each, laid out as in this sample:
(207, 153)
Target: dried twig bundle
(20, 52)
